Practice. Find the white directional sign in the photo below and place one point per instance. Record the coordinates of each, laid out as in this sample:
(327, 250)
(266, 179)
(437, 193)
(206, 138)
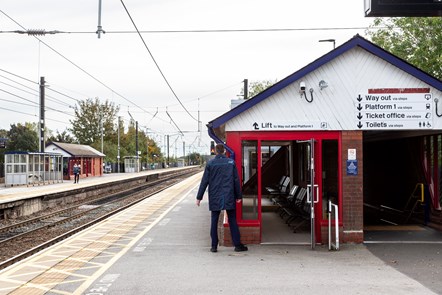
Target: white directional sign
(288, 125)
(394, 111)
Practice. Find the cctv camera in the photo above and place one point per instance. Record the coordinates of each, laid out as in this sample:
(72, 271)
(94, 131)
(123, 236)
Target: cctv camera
(302, 85)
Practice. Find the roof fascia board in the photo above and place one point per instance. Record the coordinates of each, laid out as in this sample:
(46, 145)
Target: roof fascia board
(53, 143)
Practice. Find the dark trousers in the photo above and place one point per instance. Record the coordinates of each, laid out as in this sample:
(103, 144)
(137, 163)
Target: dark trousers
(76, 177)
(234, 230)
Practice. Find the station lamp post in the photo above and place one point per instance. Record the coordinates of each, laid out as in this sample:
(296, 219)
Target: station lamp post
(329, 40)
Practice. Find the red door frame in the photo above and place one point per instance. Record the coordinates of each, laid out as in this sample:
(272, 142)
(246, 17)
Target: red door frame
(432, 175)
(234, 141)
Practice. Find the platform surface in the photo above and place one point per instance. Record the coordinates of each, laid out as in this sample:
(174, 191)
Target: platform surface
(161, 246)
(15, 193)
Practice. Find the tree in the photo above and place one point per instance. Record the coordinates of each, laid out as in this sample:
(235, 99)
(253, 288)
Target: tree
(3, 145)
(148, 148)
(257, 87)
(418, 40)
(62, 137)
(194, 158)
(86, 130)
(89, 116)
(23, 138)
(153, 152)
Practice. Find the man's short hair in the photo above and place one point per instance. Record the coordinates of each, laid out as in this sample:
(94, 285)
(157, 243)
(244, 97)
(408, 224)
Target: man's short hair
(219, 148)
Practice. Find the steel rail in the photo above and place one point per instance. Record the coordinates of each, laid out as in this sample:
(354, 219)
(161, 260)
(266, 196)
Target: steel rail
(100, 198)
(63, 236)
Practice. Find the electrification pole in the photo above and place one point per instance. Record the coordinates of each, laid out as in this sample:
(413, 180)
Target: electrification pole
(136, 145)
(42, 115)
(167, 151)
(101, 129)
(99, 27)
(184, 151)
(118, 151)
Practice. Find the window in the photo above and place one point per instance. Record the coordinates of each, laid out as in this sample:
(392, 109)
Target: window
(250, 179)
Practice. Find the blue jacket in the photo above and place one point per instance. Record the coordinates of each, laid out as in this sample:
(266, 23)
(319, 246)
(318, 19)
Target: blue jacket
(222, 178)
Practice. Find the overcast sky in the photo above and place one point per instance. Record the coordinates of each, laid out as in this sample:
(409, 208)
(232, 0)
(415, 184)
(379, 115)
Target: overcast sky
(204, 69)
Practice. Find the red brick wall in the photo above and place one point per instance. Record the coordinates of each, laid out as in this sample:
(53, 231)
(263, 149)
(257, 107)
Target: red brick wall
(249, 235)
(352, 190)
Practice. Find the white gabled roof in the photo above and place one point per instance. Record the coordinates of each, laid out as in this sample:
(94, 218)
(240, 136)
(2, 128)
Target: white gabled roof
(352, 69)
(73, 150)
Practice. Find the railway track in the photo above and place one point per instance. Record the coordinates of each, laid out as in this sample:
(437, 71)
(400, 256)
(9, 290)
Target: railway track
(26, 238)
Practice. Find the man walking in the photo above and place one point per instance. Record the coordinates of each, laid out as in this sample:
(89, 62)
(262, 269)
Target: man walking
(76, 173)
(224, 191)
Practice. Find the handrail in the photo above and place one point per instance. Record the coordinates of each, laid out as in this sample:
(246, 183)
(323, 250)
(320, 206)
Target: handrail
(421, 185)
(420, 198)
(333, 210)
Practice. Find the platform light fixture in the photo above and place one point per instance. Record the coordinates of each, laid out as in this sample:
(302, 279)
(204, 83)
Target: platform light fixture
(323, 84)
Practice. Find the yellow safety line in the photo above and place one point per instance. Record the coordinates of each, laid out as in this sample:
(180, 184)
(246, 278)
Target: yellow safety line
(105, 267)
(99, 233)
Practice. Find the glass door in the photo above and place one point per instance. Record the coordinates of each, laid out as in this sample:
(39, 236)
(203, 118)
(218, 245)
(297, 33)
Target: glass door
(313, 190)
(250, 180)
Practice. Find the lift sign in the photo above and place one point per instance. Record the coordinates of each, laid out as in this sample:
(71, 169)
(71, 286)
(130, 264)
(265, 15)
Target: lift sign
(352, 167)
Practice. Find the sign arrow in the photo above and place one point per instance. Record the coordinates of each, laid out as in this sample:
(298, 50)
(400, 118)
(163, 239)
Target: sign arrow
(255, 125)
(360, 125)
(359, 116)
(359, 107)
(359, 98)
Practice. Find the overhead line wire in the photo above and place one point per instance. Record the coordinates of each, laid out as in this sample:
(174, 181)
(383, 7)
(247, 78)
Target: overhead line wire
(15, 111)
(65, 95)
(209, 94)
(33, 102)
(17, 102)
(18, 75)
(155, 62)
(15, 87)
(34, 105)
(18, 96)
(174, 123)
(214, 30)
(75, 65)
(33, 115)
(36, 92)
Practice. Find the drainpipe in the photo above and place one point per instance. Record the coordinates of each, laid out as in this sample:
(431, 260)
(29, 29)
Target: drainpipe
(218, 140)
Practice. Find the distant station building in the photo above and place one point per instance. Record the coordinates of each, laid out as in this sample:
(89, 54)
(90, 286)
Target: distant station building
(358, 127)
(89, 159)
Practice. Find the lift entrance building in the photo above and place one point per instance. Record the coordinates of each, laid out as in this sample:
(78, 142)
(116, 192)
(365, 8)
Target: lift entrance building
(358, 127)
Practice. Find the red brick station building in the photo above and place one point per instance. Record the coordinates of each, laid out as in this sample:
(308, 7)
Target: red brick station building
(359, 125)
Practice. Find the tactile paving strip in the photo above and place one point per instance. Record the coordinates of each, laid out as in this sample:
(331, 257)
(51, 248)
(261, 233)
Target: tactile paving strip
(71, 266)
